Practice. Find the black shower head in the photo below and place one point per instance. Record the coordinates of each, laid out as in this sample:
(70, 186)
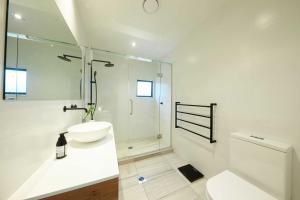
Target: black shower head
(64, 58)
(109, 65)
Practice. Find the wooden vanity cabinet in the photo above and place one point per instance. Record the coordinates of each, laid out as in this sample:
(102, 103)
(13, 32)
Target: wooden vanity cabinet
(107, 190)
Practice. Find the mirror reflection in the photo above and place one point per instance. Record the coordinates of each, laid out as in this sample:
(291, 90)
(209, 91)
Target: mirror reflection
(37, 37)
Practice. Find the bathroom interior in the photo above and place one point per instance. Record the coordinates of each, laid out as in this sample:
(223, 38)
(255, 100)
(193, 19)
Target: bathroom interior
(149, 100)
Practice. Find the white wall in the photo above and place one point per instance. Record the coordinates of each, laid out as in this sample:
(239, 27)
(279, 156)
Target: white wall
(245, 57)
(28, 131)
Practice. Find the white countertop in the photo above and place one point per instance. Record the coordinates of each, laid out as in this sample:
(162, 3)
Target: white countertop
(85, 164)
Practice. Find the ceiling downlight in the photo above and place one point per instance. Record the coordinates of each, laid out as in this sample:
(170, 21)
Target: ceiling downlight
(150, 6)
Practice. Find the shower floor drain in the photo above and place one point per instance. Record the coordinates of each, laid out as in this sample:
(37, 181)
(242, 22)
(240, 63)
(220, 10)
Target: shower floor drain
(141, 179)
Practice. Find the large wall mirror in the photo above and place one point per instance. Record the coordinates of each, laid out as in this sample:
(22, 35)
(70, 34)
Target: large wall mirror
(37, 37)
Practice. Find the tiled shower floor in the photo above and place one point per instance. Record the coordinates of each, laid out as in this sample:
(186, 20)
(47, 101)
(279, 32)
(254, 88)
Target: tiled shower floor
(163, 180)
(139, 147)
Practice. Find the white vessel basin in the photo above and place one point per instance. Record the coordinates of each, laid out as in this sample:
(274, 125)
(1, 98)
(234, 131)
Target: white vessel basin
(89, 131)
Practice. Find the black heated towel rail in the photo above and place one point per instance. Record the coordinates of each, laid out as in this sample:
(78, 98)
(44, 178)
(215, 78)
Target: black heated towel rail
(210, 117)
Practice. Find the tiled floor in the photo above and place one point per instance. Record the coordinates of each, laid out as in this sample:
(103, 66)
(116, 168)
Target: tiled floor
(163, 180)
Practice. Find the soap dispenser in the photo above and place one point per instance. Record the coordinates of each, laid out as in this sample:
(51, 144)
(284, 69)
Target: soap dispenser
(61, 146)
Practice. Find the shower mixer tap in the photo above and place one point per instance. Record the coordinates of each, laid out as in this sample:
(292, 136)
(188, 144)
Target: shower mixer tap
(74, 107)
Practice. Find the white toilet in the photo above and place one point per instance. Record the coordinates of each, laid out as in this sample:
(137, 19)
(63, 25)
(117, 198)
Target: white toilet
(260, 170)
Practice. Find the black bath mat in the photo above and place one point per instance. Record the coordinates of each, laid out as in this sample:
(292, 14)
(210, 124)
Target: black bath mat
(191, 173)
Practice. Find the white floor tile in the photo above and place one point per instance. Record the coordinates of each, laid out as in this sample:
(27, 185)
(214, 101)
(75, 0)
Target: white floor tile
(128, 182)
(175, 161)
(186, 193)
(170, 156)
(133, 193)
(203, 197)
(163, 180)
(154, 170)
(149, 161)
(199, 186)
(127, 170)
(163, 185)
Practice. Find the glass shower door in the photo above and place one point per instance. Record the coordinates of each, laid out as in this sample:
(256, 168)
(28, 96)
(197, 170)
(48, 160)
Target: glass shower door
(144, 90)
(135, 96)
(165, 105)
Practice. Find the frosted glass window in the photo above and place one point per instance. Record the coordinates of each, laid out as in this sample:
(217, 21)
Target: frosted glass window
(15, 81)
(144, 88)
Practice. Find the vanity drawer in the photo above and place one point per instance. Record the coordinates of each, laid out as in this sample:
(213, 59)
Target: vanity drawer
(107, 190)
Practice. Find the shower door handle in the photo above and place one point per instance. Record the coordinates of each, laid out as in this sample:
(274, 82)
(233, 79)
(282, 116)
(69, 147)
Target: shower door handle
(80, 89)
(131, 107)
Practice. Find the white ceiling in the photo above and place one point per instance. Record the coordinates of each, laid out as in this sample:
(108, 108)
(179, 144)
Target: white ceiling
(41, 19)
(114, 24)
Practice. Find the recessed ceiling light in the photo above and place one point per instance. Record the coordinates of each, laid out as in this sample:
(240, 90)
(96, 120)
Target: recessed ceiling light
(150, 6)
(18, 16)
(133, 44)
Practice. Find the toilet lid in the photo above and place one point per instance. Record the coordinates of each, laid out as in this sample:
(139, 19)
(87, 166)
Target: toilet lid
(228, 186)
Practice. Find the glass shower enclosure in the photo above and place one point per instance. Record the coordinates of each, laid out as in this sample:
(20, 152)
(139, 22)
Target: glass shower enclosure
(135, 96)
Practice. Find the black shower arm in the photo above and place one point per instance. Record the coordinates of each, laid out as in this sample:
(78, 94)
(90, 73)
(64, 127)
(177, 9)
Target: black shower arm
(95, 60)
(70, 56)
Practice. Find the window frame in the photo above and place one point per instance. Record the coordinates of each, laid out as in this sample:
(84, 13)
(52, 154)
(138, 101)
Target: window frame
(15, 69)
(144, 81)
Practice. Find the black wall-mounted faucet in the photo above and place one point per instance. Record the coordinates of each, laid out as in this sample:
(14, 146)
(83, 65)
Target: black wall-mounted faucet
(74, 107)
